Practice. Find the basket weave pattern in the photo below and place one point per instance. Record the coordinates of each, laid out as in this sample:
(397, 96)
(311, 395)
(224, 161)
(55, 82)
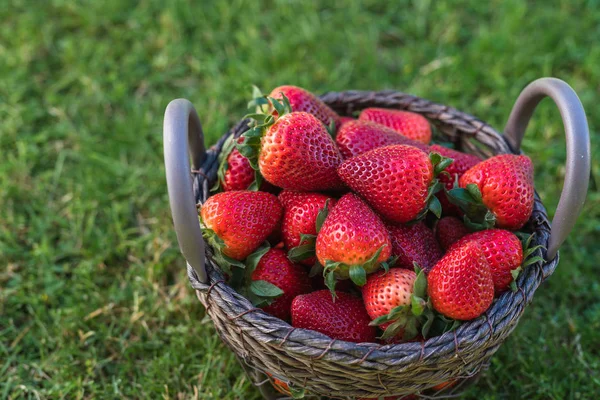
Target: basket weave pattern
(339, 369)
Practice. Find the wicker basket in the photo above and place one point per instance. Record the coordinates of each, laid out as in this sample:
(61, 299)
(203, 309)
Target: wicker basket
(325, 367)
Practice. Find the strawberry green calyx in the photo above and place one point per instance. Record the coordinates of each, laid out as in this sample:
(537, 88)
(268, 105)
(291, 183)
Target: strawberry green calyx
(217, 243)
(432, 204)
(306, 249)
(263, 293)
(259, 102)
(259, 122)
(410, 320)
(529, 257)
(260, 293)
(357, 273)
(469, 199)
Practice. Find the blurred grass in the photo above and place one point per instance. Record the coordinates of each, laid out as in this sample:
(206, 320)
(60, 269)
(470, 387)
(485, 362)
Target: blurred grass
(94, 301)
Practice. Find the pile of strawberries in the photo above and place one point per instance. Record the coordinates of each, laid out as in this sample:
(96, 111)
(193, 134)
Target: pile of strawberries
(362, 229)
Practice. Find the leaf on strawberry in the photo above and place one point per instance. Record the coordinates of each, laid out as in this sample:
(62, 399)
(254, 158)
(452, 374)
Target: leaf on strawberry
(259, 102)
(223, 261)
(428, 319)
(390, 262)
(253, 259)
(296, 392)
(322, 216)
(262, 293)
(358, 275)
(515, 274)
(433, 205)
(408, 319)
(529, 257)
(441, 325)
(469, 200)
(330, 280)
(316, 269)
(420, 285)
(305, 250)
(439, 162)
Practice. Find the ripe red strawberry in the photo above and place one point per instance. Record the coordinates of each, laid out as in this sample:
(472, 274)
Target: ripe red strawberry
(238, 222)
(300, 211)
(395, 180)
(503, 185)
(357, 137)
(445, 385)
(411, 125)
(279, 385)
(503, 252)
(275, 268)
(460, 164)
(388, 297)
(449, 230)
(235, 171)
(295, 151)
(460, 285)
(352, 242)
(414, 244)
(302, 100)
(342, 319)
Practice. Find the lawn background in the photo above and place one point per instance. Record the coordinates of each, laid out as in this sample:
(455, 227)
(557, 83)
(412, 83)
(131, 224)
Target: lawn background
(94, 300)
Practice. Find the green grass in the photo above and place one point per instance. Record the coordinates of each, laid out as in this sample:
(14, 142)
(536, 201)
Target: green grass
(94, 300)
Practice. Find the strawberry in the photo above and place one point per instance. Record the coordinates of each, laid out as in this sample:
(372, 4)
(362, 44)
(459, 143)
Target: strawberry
(352, 241)
(386, 290)
(497, 191)
(388, 298)
(460, 285)
(235, 172)
(292, 151)
(291, 279)
(414, 244)
(462, 162)
(342, 319)
(411, 125)
(300, 212)
(449, 230)
(279, 385)
(238, 222)
(397, 181)
(302, 100)
(503, 252)
(357, 137)
(445, 385)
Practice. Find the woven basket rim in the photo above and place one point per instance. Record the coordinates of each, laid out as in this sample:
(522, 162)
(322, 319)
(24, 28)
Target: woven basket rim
(501, 317)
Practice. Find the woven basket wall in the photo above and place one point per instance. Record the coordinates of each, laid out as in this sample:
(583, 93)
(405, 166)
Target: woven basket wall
(338, 369)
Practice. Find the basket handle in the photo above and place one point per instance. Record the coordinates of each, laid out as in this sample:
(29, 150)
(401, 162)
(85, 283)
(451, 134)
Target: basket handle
(577, 174)
(183, 137)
